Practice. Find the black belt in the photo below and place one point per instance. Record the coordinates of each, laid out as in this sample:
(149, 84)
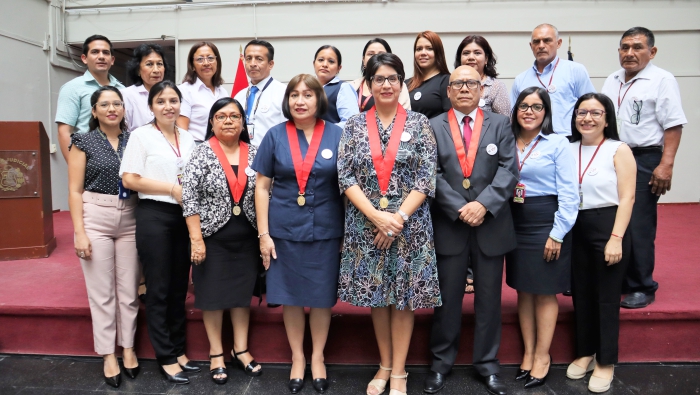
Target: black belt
(646, 150)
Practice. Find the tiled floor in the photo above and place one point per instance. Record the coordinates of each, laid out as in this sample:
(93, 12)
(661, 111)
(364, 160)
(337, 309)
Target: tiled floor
(60, 375)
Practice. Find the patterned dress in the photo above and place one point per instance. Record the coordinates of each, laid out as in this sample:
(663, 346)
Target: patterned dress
(405, 275)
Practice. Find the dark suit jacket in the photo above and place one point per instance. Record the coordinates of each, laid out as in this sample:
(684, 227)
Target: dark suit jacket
(492, 181)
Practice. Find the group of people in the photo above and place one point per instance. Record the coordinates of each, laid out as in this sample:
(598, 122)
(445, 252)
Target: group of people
(386, 192)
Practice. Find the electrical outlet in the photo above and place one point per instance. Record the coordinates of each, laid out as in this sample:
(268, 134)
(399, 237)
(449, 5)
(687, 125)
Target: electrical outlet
(52, 148)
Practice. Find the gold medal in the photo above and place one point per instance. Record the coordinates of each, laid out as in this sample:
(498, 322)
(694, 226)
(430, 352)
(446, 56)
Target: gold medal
(236, 210)
(466, 184)
(383, 202)
(301, 200)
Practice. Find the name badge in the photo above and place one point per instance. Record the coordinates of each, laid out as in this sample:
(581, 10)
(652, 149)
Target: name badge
(482, 102)
(249, 172)
(491, 149)
(405, 137)
(519, 193)
(264, 108)
(593, 172)
(124, 193)
(417, 96)
(536, 155)
(327, 154)
(251, 130)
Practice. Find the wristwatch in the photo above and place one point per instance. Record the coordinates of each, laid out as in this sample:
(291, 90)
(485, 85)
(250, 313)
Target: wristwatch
(403, 215)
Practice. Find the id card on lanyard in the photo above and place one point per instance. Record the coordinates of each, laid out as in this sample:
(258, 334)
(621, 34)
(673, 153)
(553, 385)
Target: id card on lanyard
(250, 121)
(124, 193)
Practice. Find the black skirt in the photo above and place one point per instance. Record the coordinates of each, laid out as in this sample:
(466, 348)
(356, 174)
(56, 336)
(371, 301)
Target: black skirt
(226, 278)
(526, 269)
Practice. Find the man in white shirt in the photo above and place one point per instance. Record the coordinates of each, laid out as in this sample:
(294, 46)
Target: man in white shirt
(263, 98)
(650, 120)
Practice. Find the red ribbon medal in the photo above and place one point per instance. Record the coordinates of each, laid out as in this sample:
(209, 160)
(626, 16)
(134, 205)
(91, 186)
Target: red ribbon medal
(466, 159)
(236, 183)
(384, 164)
(303, 168)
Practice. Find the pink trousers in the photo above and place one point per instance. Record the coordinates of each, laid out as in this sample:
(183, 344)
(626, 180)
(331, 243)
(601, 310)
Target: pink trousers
(112, 272)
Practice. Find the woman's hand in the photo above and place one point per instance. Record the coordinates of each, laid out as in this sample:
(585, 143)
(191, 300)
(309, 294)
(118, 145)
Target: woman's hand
(199, 251)
(83, 247)
(176, 193)
(386, 222)
(613, 250)
(267, 250)
(381, 240)
(552, 248)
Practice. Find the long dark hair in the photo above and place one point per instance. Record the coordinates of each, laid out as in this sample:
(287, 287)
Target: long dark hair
(94, 122)
(376, 40)
(191, 75)
(490, 66)
(440, 62)
(546, 127)
(218, 105)
(133, 66)
(610, 131)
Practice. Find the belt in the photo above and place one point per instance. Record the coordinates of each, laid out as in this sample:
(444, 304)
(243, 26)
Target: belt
(646, 150)
(101, 199)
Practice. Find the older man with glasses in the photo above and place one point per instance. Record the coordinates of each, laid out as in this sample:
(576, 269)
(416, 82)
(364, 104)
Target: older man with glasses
(650, 120)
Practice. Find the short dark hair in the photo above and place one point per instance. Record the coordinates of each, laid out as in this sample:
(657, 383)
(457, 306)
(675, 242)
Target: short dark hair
(95, 37)
(133, 66)
(610, 131)
(191, 74)
(375, 40)
(440, 61)
(490, 67)
(546, 127)
(94, 122)
(336, 50)
(160, 87)
(638, 30)
(262, 43)
(313, 84)
(218, 105)
(383, 59)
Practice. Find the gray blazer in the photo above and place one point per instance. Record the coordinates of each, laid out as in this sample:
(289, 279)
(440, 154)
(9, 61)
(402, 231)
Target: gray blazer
(492, 181)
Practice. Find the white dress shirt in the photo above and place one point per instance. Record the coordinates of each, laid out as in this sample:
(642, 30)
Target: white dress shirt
(197, 100)
(136, 111)
(656, 91)
(269, 108)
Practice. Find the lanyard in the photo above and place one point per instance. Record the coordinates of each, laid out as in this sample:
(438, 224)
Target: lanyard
(466, 159)
(177, 143)
(235, 183)
(384, 164)
(302, 168)
(257, 102)
(619, 101)
(120, 148)
(360, 103)
(550, 78)
(580, 175)
(521, 164)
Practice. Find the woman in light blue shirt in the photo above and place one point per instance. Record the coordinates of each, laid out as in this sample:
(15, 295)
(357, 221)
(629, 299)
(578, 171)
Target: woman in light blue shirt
(544, 207)
(342, 99)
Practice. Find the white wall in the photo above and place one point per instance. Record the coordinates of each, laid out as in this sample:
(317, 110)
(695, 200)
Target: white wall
(297, 30)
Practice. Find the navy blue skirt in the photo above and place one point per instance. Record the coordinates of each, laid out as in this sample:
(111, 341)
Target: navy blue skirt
(304, 273)
(526, 269)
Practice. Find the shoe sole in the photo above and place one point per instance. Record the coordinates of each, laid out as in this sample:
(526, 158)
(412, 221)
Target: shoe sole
(435, 390)
(600, 390)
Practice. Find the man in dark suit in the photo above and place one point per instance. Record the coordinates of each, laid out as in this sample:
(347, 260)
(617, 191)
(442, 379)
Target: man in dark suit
(472, 222)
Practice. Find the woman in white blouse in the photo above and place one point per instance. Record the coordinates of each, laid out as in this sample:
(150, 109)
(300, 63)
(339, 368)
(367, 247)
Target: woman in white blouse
(153, 165)
(146, 68)
(200, 88)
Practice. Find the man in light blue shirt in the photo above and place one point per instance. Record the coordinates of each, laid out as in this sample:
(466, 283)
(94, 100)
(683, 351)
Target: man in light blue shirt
(73, 109)
(565, 80)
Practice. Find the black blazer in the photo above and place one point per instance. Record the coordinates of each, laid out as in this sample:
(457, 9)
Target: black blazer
(492, 183)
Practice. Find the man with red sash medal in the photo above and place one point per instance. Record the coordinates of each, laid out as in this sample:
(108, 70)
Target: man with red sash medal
(477, 171)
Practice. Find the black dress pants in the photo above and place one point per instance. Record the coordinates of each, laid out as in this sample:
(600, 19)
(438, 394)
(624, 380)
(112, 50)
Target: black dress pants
(162, 241)
(597, 286)
(642, 227)
(447, 319)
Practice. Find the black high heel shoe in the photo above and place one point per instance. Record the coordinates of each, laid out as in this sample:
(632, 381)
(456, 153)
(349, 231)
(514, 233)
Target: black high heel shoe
(533, 382)
(177, 378)
(114, 381)
(250, 368)
(320, 385)
(295, 385)
(219, 370)
(190, 368)
(521, 374)
(132, 372)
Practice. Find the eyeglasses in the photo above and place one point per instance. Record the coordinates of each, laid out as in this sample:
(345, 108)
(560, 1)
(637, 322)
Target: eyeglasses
(537, 107)
(208, 59)
(223, 117)
(105, 104)
(393, 79)
(595, 114)
(637, 107)
(458, 84)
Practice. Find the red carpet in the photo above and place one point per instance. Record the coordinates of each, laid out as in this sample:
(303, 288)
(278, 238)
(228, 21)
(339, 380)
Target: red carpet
(44, 310)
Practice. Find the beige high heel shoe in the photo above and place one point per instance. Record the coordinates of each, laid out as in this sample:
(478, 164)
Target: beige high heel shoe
(397, 392)
(378, 384)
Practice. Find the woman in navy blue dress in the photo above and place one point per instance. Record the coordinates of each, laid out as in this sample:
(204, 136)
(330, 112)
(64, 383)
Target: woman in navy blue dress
(301, 225)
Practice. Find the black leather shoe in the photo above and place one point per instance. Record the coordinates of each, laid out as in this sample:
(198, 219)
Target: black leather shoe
(320, 385)
(132, 372)
(114, 381)
(434, 382)
(567, 293)
(190, 368)
(533, 382)
(177, 378)
(637, 300)
(295, 385)
(521, 374)
(495, 385)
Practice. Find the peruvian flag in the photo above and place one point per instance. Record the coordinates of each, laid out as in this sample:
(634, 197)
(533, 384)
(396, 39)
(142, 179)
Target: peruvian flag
(241, 81)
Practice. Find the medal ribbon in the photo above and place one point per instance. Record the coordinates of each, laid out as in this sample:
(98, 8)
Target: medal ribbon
(303, 169)
(466, 159)
(521, 164)
(384, 164)
(580, 175)
(360, 103)
(236, 184)
(550, 78)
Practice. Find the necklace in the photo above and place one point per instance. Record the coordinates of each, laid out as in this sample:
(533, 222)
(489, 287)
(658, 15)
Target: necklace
(525, 145)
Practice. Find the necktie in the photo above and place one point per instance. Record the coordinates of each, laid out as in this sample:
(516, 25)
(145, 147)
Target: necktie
(467, 132)
(250, 102)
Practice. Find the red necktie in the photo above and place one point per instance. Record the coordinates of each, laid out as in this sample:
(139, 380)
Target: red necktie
(467, 132)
